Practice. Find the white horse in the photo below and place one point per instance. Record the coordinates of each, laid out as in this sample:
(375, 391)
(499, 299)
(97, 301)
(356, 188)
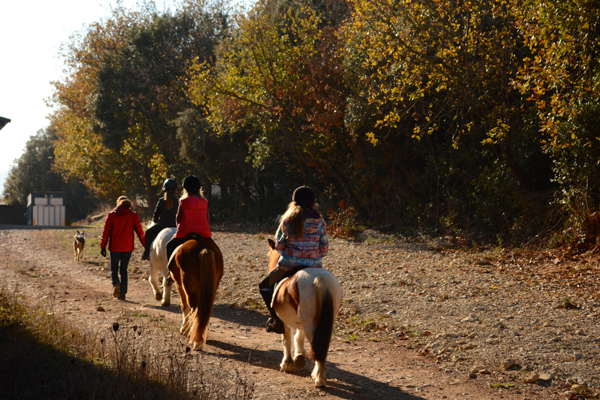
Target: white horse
(159, 263)
(308, 303)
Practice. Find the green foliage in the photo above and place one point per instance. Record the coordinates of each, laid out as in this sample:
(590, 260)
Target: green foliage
(576, 169)
(79, 150)
(416, 114)
(244, 191)
(561, 75)
(33, 172)
(137, 91)
(436, 65)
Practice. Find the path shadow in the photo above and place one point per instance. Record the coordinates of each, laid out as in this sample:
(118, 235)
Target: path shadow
(240, 316)
(347, 385)
(29, 371)
(93, 263)
(341, 383)
(173, 308)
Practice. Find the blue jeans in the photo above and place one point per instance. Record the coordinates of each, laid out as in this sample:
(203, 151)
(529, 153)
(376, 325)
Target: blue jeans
(118, 264)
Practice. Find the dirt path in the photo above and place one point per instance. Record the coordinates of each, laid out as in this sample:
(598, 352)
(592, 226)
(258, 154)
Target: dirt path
(38, 265)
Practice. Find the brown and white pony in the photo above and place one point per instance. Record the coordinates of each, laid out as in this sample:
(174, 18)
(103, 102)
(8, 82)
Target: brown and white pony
(197, 268)
(308, 303)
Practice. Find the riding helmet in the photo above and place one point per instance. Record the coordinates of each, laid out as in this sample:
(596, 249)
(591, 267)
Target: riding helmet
(169, 184)
(304, 196)
(191, 183)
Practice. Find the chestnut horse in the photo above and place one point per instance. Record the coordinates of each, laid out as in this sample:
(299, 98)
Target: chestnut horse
(196, 267)
(307, 302)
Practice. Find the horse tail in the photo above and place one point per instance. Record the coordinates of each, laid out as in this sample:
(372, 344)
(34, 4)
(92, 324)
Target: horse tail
(324, 321)
(207, 290)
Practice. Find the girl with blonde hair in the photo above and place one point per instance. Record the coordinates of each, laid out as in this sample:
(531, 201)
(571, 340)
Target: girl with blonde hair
(301, 241)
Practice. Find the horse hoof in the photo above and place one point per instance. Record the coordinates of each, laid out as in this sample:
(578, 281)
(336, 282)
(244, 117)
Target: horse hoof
(165, 304)
(299, 362)
(287, 366)
(320, 383)
(198, 346)
(319, 377)
(185, 330)
(158, 296)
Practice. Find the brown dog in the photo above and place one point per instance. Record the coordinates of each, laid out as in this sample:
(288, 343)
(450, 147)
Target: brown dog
(78, 243)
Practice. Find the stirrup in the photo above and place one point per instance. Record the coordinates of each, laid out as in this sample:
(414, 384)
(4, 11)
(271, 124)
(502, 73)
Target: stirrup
(275, 325)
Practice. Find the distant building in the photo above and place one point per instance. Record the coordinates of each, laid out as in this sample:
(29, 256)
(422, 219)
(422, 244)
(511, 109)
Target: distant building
(3, 121)
(46, 208)
(12, 215)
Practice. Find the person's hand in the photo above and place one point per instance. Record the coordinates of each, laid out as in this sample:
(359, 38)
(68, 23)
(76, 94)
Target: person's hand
(103, 252)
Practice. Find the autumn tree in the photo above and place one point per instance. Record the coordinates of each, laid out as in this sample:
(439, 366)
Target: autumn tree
(562, 77)
(440, 73)
(142, 89)
(127, 87)
(80, 151)
(279, 77)
(33, 172)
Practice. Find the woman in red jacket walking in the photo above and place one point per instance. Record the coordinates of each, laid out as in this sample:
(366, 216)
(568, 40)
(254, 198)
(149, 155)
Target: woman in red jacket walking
(119, 227)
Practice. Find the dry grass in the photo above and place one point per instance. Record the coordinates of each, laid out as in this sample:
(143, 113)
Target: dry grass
(43, 357)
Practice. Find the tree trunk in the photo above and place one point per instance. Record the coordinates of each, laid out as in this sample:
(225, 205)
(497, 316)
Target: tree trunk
(208, 186)
(350, 194)
(149, 190)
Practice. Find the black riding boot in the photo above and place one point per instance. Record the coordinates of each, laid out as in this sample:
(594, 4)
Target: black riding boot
(151, 234)
(274, 324)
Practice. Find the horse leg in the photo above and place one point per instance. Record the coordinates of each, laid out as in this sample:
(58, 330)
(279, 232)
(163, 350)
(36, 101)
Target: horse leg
(185, 323)
(318, 374)
(185, 308)
(287, 364)
(299, 352)
(153, 278)
(194, 318)
(167, 289)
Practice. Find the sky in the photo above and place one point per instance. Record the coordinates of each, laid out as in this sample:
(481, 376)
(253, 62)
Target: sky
(31, 33)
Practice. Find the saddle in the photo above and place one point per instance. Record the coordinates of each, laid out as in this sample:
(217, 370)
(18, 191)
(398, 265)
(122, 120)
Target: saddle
(206, 243)
(287, 277)
(195, 237)
(276, 289)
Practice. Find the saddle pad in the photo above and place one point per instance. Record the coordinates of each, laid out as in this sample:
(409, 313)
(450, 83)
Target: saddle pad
(277, 286)
(200, 241)
(172, 255)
